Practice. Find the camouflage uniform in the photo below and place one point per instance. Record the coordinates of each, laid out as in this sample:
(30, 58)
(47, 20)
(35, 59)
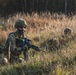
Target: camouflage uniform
(11, 48)
(66, 37)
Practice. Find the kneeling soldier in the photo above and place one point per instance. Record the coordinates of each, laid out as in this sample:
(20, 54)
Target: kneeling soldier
(17, 43)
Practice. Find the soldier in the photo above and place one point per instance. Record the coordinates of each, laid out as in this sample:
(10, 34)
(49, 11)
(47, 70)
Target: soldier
(56, 43)
(67, 31)
(11, 49)
(66, 37)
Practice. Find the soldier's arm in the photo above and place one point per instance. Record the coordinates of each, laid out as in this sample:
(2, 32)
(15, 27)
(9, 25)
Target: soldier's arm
(11, 42)
(30, 45)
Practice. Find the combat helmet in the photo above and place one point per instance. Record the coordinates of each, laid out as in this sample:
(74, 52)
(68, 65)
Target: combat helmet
(20, 23)
(67, 31)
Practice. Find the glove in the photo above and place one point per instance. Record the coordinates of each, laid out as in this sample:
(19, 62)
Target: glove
(37, 49)
(25, 48)
(18, 49)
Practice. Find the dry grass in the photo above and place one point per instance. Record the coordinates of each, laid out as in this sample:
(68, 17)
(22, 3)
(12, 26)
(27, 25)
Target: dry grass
(41, 28)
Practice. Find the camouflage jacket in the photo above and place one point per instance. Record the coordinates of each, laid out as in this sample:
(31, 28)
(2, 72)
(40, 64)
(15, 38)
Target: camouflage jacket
(11, 43)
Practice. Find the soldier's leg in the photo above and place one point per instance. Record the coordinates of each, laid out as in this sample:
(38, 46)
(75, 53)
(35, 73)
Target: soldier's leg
(25, 53)
(16, 59)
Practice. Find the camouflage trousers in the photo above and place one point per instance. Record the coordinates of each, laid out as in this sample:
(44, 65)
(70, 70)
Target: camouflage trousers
(16, 59)
(13, 59)
(4, 61)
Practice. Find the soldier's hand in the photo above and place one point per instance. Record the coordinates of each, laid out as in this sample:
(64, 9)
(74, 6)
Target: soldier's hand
(37, 49)
(24, 48)
(18, 49)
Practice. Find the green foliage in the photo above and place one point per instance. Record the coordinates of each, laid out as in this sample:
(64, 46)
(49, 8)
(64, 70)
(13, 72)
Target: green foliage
(36, 68)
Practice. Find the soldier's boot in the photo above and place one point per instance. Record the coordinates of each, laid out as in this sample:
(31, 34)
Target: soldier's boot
(21, 60)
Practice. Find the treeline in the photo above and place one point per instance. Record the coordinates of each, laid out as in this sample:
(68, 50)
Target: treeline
(13, 6)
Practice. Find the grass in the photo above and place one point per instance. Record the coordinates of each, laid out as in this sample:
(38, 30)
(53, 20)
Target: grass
(41, 28)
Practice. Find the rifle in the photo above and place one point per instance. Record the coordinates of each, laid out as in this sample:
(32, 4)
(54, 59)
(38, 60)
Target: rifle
(26, 43)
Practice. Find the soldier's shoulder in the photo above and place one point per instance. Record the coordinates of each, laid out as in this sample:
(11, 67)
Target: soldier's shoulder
(12, 34)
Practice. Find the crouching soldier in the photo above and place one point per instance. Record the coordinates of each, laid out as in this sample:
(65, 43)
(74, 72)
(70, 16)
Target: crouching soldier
(56, 43)
(14, 45)
(66, 37)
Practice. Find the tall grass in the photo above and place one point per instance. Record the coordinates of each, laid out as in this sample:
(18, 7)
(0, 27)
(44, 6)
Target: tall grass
(41, 28)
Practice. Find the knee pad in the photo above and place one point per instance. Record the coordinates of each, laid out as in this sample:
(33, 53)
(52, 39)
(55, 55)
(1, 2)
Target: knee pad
(4, 61)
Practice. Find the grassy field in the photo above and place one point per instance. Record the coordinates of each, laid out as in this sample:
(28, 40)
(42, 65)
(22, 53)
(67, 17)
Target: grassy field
(41, 28)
